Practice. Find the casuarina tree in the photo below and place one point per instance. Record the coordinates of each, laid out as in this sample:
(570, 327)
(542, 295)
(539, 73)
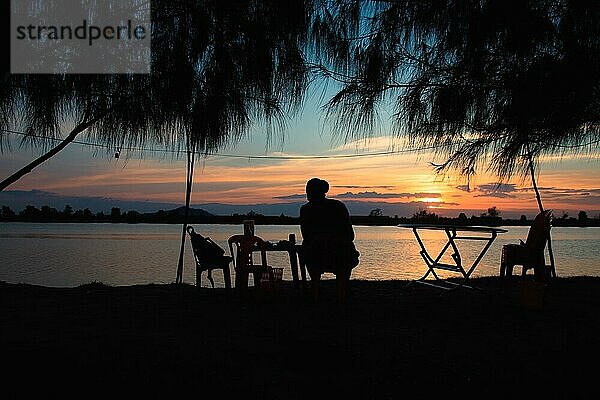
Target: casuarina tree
(493, 84)
(217, 67)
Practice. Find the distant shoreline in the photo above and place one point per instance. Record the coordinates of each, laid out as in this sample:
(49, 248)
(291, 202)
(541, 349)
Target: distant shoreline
(284, 220)
(181, 215)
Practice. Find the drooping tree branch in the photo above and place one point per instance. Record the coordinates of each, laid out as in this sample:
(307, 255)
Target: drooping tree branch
(55, 150)
(533, 180)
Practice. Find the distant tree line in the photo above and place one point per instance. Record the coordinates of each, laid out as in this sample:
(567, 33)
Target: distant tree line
(490, 218)
(376, 217)
(68, 214)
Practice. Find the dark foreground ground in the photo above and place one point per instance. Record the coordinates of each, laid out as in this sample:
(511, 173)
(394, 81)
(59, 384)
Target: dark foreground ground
(161, 341)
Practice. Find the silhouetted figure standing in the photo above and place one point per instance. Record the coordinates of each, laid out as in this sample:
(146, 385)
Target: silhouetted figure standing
(327, 234)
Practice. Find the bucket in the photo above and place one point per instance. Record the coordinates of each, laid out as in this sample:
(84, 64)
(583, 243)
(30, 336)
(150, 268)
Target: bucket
(267, 284)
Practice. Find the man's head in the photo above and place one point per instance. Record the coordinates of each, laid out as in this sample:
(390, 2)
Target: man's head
(316, 189)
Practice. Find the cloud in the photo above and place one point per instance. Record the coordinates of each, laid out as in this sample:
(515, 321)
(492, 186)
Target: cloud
(427, 195)
(572, 196)
(592, 201)
(497, 187)
(377, 143)
(499, 195)
(491, 188)
(291, 197)
(494, 189)
(556, 193)
(568, 192)
(365, 187)
(376, 195)
(550, 194)
(436, 204)
(365, 195)
(370, 195)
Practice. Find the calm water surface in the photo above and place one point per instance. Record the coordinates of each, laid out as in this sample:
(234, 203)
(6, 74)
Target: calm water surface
(66, 255)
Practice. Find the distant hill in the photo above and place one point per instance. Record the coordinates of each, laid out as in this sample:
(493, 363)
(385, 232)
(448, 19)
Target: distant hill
(19, 199)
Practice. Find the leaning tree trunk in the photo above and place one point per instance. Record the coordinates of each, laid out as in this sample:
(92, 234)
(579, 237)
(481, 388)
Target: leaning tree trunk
(29, 167)
(191, 155)
(541, 208)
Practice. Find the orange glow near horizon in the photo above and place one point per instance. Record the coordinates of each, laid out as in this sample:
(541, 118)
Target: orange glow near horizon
(397, 180)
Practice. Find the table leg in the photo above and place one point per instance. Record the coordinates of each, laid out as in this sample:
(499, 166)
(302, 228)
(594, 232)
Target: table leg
(429, 261)
(456, 254)
(485, 249)
(467, 275)
(435, 263)
(227, 275)
(302, 270)
(293, 259)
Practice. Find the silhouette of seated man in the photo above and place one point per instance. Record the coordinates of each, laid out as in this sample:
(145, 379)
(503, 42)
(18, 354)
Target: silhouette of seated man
(327, 237)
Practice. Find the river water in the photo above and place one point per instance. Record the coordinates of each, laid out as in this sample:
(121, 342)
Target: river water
(70, 254)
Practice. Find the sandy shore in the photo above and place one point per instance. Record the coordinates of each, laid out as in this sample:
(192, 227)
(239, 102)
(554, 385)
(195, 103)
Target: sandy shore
(387, 341)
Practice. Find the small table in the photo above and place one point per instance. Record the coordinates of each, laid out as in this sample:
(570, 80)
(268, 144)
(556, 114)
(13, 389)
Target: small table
(293, 251)
(453, 232)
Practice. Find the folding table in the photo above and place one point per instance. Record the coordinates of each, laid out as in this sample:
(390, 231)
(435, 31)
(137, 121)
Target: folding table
(453, 233)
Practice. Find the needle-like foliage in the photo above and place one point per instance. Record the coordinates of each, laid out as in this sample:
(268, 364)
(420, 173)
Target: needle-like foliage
(494, 83)
(217, 67)
(488, 82)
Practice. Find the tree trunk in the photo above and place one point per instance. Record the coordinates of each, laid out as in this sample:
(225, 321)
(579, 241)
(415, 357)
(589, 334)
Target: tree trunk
(535, 188)
(29, 167)
(541, 208)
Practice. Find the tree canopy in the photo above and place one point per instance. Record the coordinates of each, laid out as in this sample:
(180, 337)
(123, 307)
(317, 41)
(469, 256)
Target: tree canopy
(494, 83)
(485, 82)
(216, 68)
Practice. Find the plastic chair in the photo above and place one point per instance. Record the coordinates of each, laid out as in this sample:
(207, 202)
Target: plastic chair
(243, 260)
(209, 256)
(329, 254)
(530, 255)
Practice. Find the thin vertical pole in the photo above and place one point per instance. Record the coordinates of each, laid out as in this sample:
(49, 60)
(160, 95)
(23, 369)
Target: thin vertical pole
(541, 208)
(188, 192)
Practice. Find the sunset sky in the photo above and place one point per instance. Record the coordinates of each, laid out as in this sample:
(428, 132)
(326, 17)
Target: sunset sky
(406, 181)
